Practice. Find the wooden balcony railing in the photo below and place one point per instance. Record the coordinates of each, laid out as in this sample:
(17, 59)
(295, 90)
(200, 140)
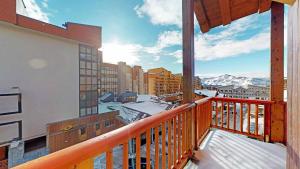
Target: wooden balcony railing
(172, 136)
(242, 116)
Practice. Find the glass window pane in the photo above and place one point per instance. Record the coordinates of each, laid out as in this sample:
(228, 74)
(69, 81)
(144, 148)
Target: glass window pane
(88, 65)
(88, 72)
(88, 50)
(82, 87)
(94, 66)
(82, 49)
(82, 71)
(82, 112)
(89, 57)
(82, 64)
(89, 111)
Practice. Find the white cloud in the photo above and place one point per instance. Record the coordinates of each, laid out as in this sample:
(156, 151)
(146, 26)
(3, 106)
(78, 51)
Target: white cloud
(33, 10)
(115, 52)
(161, 12)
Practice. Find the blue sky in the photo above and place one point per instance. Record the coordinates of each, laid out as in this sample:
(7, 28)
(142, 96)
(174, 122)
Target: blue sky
(148, 33)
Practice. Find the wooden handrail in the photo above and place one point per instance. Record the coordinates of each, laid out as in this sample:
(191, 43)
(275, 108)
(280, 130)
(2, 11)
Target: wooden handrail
(79, 153)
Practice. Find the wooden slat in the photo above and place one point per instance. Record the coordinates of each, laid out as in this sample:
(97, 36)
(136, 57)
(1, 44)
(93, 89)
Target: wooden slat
(225, 11)
(234, 116)
(156, 148)
(241, 117)
(179, 136)
(169, 144)
(264, 5)
(256, 119)
(148, 149)
(87, 164)
(248, 119)
(125, 155)
(201, 16)
(163, 142)
(138, 151)
(222, 113)
(228, 115)
(109, 159)
(184, 133)
(174, 141)
(216, 120)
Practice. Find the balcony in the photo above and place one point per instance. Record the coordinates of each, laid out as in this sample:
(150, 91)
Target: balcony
(225, 132)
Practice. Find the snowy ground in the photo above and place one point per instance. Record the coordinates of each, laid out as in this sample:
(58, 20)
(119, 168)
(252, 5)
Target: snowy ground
(224, 150)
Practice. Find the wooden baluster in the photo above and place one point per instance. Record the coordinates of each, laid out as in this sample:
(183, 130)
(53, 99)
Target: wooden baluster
(241, 117)
(163, 142)
(138, 151)
(216, 119)
(109, 159)
(267, 122)
(184, 133)
(179, 136)
(256, 119)
(234, 116)
(148, 149)
(156, 148)
(125, 155)
(228, 115)
(174, 141)
(222, 113)
(248, 120)
(169, 144)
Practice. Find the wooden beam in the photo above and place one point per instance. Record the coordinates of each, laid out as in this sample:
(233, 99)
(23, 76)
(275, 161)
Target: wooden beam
(277, 72)
(188, 49)
(225, 11)
(264, 5)
(201, 16)
(290, 2)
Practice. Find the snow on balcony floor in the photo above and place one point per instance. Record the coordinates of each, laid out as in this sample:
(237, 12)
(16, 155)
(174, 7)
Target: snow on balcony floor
(225, 150)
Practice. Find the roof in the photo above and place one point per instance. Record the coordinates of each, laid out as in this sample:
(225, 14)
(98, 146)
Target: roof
(86, 34)
(205, 92)
(213, 13)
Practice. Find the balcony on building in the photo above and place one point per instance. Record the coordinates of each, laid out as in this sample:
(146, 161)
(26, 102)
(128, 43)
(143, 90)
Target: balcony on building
(212, 132)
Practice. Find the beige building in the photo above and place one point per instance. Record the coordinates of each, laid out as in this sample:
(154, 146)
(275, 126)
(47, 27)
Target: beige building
(125, 77)
(138, 80)
(161, 82)
(54, 68)
(108, 79)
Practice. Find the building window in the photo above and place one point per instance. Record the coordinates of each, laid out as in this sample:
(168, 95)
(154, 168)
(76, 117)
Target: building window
(107, 123)
(97, 126)
(88, 99)
(82, 131)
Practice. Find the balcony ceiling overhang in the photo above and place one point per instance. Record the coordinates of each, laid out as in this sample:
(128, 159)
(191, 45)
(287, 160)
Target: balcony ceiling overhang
(213, 13)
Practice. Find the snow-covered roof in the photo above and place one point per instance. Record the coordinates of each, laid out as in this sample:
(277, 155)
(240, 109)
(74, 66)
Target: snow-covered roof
(149, 107)
(205, 92)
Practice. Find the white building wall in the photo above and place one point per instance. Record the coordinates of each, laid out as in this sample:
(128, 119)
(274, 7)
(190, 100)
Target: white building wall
(46, 70)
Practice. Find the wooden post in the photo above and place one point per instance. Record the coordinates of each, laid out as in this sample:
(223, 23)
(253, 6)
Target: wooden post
(188, 49)
(277, 74)
(293, 112)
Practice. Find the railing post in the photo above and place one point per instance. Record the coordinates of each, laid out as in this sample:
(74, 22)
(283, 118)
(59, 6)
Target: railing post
(196, 110)
(267, 123)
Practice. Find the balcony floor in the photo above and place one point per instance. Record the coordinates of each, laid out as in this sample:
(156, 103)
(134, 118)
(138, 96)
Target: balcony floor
(225, 150)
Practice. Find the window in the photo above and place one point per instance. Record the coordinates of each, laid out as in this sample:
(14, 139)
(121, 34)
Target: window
(88, 99)
(82, 131)
(107, 123)
(97, 126)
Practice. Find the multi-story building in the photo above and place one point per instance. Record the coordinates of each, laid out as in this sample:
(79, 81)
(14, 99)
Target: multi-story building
(138, 80)
(251, 92)
(125, 77)
(108, 79)
(146, 82)
(55, 69)
(197, 83)
(162, 81)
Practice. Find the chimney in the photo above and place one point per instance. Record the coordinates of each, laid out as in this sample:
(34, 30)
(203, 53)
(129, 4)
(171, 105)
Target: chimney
(8, 11)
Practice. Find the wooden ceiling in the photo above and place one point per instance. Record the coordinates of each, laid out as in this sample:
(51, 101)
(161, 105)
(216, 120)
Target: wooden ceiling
(213, 13)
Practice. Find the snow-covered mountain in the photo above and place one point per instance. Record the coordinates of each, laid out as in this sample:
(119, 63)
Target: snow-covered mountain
(226, 79)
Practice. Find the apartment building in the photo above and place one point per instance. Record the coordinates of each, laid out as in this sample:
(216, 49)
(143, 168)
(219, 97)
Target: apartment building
(108, 79)
(146, 82)
(162, 81)
(54, 68)
(125, 77)
(138, 80)
(250, 91)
